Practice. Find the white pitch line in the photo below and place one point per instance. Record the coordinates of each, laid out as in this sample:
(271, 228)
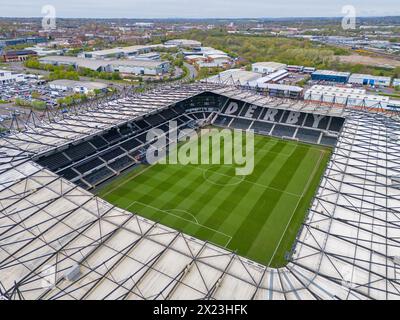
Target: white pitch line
(126, 181)
(169, 213)
(251, 182)
(184, 211)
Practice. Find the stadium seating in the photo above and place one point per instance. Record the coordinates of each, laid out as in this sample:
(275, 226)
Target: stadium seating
(308, 135)
(285, 123)
(112, 154)
(54, 162)
(168, 114)
(126, 130)
(154, 120)
(80, 151)
(112, 135)
(336, 124)
(99, 176)
(131, 144)
(328, 141)
(283, 131)
(82, 184)
(90, 165)
(262, 127)
(142, 124)
(121, 163)
(99, 142)
(239, 123)
(68, 173)
(222, 120)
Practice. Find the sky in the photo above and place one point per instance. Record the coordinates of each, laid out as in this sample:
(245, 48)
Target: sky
(143, 9)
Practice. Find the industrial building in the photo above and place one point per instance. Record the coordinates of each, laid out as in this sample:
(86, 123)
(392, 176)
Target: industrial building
(267, 67)
(18, 55)
(148, 56)
(292, 68)
(17, 41)
(42, 52)
(77, 86)
(234, 77)
(95, 65)
(350, 97)
(282, 91)
(396, 82)
(309, 70)
(131, 66)
(120, 52)
(270, 78)
(330, 76)
(183, 43)
(208, 57)
(138, 67)
(255, 81)
(7, 76)
(369, 80)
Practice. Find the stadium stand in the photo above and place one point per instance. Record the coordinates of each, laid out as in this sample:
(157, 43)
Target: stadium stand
(262, 127)
(98, 176)
(112, 135)
(131, 144)
(308, 135)
(284, 123)
(336, 124)
(112, 154)
(99, 142)
(54, 162)
(242, 124)
(80, 151)
(328, 141)
(90, 165)
(283, 131)
(121, 163)
(69, 174)
(334, 256)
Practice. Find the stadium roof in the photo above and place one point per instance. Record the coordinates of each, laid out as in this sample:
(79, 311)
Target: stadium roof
(50, 229)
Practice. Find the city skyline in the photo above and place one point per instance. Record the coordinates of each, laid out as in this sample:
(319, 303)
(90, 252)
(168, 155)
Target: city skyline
(164, 9)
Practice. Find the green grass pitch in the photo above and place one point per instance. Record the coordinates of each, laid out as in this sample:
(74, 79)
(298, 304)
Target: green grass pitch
(258, 216)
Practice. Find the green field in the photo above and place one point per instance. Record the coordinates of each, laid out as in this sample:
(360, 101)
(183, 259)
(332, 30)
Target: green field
(258, 215)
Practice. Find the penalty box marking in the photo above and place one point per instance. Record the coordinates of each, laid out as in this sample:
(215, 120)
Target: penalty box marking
(168, 212)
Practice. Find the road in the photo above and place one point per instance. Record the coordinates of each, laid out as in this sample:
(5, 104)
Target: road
(192, 72)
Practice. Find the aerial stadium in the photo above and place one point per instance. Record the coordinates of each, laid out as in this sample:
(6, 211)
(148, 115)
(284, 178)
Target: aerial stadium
(83, 216)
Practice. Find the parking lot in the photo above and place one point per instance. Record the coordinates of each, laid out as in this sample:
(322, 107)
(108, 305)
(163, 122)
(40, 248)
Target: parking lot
(30, 90)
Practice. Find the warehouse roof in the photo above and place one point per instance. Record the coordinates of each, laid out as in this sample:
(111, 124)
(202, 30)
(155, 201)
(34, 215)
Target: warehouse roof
(234, 76)
(96, 64)
(270, 64)
(369, 76)
(72, 83)
(332, 73)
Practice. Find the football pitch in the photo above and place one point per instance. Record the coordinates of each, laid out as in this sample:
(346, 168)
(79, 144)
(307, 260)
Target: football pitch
(258, 216)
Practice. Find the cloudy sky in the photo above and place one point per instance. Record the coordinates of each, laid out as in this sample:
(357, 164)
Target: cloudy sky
(197, 8)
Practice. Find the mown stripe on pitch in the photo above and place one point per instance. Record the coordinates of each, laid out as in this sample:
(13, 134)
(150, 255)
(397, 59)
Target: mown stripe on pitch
(279, 217)
(299, 215)
(257, 218)
(225, 208)
(199, 196)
